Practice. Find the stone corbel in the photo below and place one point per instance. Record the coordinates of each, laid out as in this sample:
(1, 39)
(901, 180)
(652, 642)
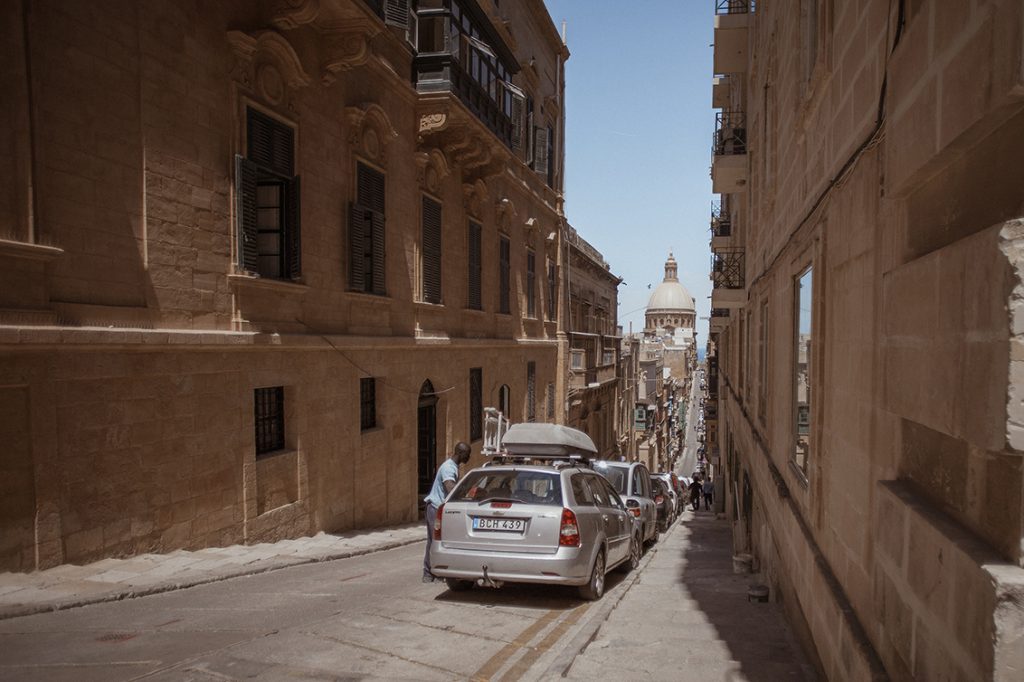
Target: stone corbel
(474, 196)
(345, 48)
(433, 168)
(432, 123)
(266, 62)
(291, 14)
(369, 130)
(506, 211)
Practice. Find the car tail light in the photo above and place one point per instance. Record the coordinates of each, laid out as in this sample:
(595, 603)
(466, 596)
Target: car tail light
(569, 533)
(437, 523)
(633, 507)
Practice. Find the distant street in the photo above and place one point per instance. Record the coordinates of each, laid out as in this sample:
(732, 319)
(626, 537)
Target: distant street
(688, 461)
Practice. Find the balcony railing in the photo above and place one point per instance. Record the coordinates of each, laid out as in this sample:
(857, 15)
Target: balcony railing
(721, 221)
(730, 133)
(727, 269)
(719, 312)
(734, 6)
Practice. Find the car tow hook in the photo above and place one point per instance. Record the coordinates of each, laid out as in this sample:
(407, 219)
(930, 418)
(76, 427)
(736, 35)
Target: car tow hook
(486, 580)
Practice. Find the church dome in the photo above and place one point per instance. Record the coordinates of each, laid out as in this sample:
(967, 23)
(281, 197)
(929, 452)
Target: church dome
(670, 295)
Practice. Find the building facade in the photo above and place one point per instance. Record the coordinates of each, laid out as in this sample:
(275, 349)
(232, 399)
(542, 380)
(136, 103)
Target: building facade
(263, 264)
(594, 370)
(865, 325)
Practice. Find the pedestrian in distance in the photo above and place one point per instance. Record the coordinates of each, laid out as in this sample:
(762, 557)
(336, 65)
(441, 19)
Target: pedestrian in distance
(709, 494)
(695, 491)
(444, 480)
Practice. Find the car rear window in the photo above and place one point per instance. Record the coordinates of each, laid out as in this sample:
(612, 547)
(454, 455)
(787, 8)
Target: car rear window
(616, 476)
(530, 487)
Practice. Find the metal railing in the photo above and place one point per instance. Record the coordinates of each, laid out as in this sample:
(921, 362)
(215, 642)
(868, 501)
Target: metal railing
(730, 135)
(734, 6)
(719, 312)
(727, 269)
(721, 221)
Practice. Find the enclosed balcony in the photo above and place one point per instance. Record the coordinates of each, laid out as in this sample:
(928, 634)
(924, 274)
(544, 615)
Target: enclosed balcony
(719, 319)
(459, 52)
(728, 278)
(729, 150)
(720, 93)
(732, 17)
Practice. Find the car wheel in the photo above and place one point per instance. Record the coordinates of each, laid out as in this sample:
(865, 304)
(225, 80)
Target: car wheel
(456, 585)
(595, 587)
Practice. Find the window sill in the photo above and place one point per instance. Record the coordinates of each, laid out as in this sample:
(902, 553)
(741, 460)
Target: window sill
(29, 251)
(430, 306)
(274, 454)
(370, 431)
(267, 284)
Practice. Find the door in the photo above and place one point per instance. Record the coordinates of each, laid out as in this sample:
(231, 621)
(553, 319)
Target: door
(426, 441)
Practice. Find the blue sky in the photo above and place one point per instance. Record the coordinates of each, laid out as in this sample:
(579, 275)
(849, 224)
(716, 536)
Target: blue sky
(638, 140)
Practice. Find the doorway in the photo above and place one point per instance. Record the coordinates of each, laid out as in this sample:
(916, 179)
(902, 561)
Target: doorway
(426, 441)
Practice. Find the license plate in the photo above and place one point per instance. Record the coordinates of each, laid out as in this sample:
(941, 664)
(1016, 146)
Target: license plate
(488, 523)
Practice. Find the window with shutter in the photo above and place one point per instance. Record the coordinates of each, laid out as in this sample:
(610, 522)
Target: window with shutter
(476, 404)
(475, 266)
(551, 401)
(517, 112)
(268, 406)
(268, 199)
(504, 274)
(531, 284)
(552, 291)
(540, 151)
(531, 391)
(431, 251)
(367, 233)
(396, 13)
(550, 157)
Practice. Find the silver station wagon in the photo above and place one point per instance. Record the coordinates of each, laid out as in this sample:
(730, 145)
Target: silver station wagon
(537, 513)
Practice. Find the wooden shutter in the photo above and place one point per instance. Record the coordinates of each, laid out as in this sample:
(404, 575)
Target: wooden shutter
(377, 259)
(518, 114)
(475, 266)
(292, 236)
(540, 151)
(356, 248)
(476, 404)
(396, 13)
(245, 213)
(531, 284)
(370, 188)
(504, 268)
(531, 391)
(271, 144)
(431, 251)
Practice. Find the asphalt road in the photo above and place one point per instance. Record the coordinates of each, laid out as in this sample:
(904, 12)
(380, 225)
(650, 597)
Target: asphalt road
(368, 616)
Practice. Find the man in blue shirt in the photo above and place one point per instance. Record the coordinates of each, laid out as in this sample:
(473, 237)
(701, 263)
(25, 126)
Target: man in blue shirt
(445, 479)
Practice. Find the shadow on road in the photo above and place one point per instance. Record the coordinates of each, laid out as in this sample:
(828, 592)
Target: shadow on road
(756, 634)
(521, 595)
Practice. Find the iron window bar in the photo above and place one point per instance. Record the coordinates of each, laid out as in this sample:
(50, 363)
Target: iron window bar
(727, 269)
(721, 221)
(730, 135)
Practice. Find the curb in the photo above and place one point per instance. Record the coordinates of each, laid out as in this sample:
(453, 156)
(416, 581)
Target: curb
(21, 610)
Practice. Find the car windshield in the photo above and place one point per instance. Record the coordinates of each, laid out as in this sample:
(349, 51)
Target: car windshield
(491, 485)
(616, 476)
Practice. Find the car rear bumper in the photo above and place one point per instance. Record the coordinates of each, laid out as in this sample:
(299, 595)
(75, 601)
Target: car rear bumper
(568, 566)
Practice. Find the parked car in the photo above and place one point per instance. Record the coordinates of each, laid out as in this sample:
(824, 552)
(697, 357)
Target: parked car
(674, 489)
(535, 514)
(632, 480)
(663, 503)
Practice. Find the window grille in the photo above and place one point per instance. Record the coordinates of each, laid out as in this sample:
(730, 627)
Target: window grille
(475, 266)
(531, 392)
(269, 419)
(551, 402)
(367, 403)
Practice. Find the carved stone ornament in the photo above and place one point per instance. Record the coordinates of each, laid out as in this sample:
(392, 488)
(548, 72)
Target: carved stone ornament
(474, 196)
(469, 152)
(291, 14)
(266, 62)
(369, 129)
(430, 123)
(433, 168)
(346, 47)
(505, 210)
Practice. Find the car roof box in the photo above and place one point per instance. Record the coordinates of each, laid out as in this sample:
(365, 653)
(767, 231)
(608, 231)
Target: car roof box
(546, 440)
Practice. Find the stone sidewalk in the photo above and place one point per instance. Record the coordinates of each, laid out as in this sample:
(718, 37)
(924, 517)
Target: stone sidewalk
(687, 617)
(69, 586)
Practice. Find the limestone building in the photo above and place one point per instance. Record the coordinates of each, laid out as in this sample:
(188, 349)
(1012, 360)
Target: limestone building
(263, 264)
(670, 320)
(864, 360)
(594, 344)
